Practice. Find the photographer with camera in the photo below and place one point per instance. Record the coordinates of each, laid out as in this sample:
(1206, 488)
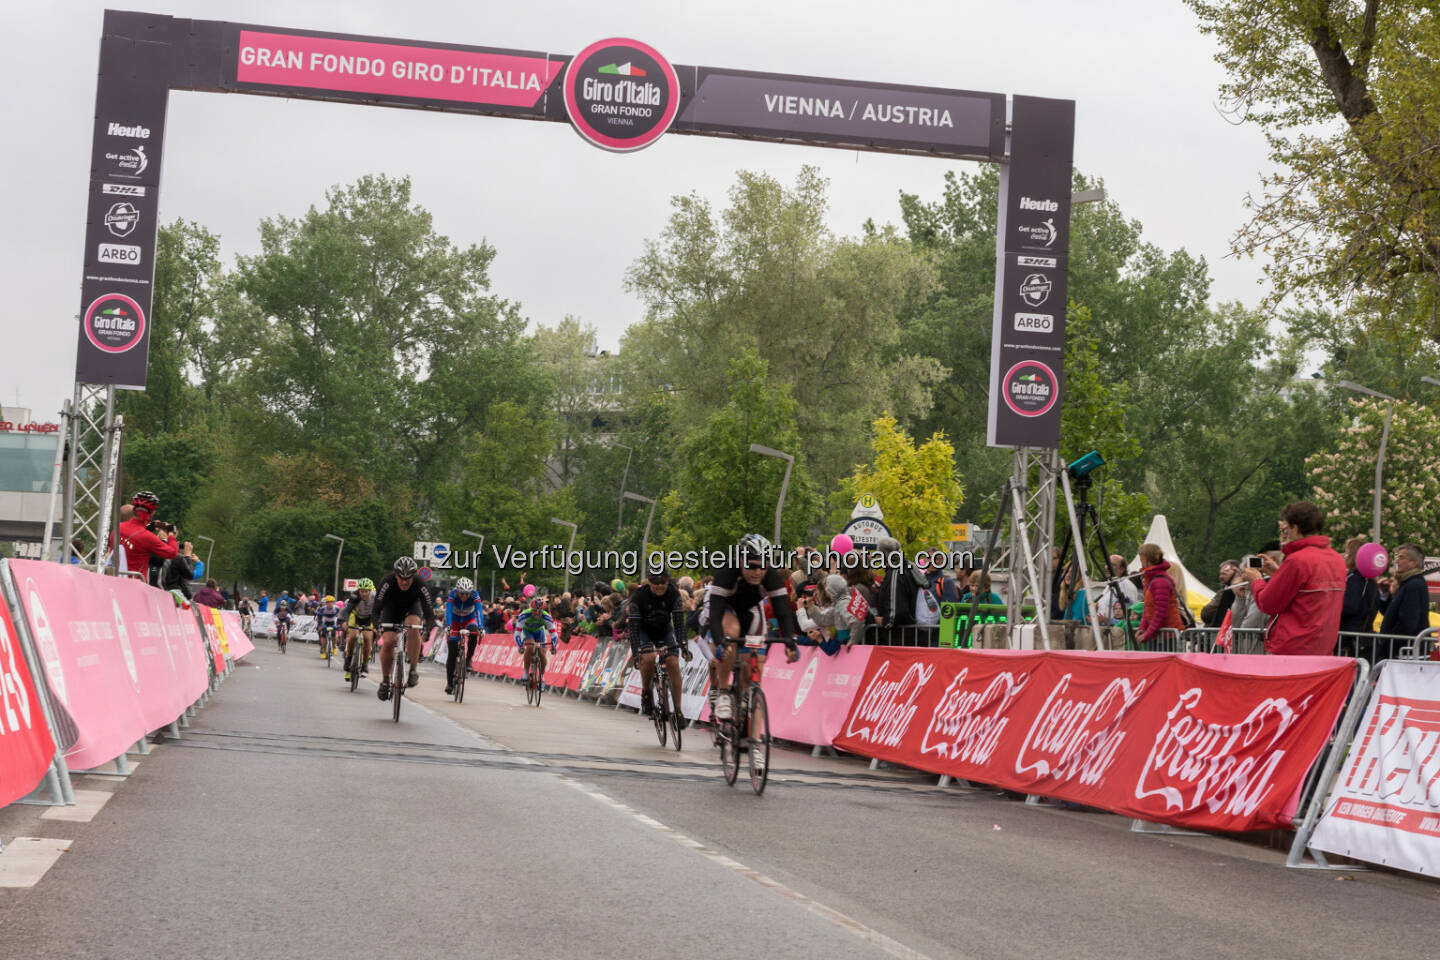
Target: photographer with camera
(178, 571)
(140, 536)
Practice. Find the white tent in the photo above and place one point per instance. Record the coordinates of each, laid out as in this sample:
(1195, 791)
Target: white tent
(1160, 536)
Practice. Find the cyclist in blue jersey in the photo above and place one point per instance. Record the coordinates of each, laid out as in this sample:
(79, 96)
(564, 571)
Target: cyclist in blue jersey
(327, 617)
(533, 627)
(462, 612)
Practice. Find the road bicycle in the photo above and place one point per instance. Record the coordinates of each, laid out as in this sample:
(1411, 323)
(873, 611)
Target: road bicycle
(282, 636)
(748, 729)
(664, 711)
(466, 639)
(356, 662)
(327, 644)
(398, 662)
(534, 682)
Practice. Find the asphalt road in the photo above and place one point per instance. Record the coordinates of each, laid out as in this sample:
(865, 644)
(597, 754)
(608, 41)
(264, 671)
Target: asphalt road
(294, 819)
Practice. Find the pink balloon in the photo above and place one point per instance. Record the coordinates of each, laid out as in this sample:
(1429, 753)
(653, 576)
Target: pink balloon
(529, 590)
(1371, 560)
(841, 543)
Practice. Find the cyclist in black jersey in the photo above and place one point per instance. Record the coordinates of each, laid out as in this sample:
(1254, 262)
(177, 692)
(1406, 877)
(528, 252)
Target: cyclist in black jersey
(737, 611)
(657, 623)
(402, 597)
(357, 619)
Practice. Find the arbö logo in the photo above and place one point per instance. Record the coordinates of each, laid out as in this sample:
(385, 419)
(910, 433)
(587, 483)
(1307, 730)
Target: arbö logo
(1030, 388)
(114, 323)
(621, 94)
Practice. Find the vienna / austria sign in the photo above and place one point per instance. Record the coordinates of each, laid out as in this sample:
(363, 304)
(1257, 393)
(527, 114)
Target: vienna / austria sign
(618, 94)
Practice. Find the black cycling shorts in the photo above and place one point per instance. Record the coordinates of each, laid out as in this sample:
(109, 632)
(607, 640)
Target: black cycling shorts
(641, 642)
(752, 621)
(396, 609)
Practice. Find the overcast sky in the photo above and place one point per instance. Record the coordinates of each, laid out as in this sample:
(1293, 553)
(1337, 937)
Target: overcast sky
(566, 217)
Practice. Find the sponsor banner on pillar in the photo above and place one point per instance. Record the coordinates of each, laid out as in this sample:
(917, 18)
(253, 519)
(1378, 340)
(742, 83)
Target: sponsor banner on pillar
(1027, 346)
(1385, 805)
(121, 222)
(26, 748)
(777, 106)
(810, 699)
(381, 70)
(1211, 742)
(116, 653)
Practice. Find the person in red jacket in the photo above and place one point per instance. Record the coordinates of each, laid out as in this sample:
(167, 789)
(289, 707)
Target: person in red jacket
(1305, 595)
(1162, 596)
(138, 542)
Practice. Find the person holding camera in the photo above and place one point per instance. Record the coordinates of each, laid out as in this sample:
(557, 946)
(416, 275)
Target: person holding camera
(178, 571)
(141, 537)
(1304, 594)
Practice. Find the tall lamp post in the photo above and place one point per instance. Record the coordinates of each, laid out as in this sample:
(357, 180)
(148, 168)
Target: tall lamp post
(644, 537)
(208, 551)
(338, 550)
(784, 484)
(1384, 439)
(479, 549)
(573, 528)
(620, 510)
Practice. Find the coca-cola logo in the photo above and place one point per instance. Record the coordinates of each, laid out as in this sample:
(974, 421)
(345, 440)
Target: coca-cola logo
(967, 724)
(883, 713)
(1076, 737)
(1225, 766)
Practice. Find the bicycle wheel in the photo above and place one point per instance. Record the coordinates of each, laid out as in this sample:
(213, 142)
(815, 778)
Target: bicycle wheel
(677, 719)
(397, 684)
(759, 738)
(530, 661)
(327, 651)
(353, 664)
(659, 687)
(462, 668)
(729, 731)
(537, 678)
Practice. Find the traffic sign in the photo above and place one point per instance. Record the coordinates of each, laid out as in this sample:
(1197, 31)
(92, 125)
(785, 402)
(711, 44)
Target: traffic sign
(866, 532)
(423, 573)
(867, 506)
(439, 553)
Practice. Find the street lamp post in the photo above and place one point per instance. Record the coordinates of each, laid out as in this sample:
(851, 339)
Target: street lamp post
(644, 537)
(338, 550)
(620, 510)
(1384, 439)
(568, 550)
(479, 549)
(784, 484)
(209, 551)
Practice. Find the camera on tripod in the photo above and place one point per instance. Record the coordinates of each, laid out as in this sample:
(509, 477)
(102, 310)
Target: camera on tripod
(1081, 469)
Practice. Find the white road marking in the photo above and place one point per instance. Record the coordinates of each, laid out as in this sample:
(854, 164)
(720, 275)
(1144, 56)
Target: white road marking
(847, 923)
(87, 804)
(26, 859)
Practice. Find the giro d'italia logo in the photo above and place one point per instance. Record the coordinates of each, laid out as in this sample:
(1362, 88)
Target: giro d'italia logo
(621, 94)
(1030, 388)
(114, 323)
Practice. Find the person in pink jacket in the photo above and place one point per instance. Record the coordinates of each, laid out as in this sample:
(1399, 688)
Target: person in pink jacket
(1162, 596)
(1305, 593)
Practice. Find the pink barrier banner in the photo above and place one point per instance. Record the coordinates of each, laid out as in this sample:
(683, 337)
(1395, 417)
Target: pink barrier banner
(119, 655)
(240, 644)
(567, 665)
(810, 698)
(497, 656)
(26, 747)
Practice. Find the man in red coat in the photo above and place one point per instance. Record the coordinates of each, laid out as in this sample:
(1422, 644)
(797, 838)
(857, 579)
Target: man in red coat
(138, 542)
(1307, 590)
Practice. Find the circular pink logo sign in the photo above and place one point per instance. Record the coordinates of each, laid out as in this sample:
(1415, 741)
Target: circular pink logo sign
(621, 94)
(1030, 388)
(114, 323)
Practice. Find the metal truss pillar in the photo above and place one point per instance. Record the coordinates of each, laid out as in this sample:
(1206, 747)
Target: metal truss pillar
(90, 480)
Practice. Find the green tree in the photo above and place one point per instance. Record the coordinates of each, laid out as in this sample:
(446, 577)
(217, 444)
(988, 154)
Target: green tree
(722, 490)
(1344, 477)
(1348, 95)
(915, 485)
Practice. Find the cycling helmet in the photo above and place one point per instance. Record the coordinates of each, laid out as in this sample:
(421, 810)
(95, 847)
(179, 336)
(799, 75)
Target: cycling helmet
(655, 572)
(463, 585)
(365, 584)
(329, 599)
(405, 567)
(537, 602)
(145, 500)
(754, 545)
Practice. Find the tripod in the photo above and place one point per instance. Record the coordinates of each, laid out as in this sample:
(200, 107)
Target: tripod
(1085, 512)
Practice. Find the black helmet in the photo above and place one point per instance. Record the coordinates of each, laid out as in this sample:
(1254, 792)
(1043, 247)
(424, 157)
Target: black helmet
(405, 567)
(655, 571)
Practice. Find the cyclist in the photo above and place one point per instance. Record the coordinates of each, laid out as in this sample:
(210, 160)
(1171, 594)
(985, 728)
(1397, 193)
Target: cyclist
(657, 623)
(737, 610)
(359, 618)
(462, 612)
(533, 626)
(327, 615)
(282, 623)
(402, 596)
(242, 607)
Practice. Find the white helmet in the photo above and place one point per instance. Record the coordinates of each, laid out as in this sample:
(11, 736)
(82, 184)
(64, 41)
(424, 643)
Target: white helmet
(463, 585)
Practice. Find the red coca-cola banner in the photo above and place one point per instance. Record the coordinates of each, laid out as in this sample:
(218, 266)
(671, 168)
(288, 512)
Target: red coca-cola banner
(26, 747)
(1207, 741)
(567, 664)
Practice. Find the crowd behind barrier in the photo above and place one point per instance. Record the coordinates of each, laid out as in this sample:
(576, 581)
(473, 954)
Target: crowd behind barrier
(92, 666)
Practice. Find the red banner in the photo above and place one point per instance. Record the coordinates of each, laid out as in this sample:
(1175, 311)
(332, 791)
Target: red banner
(240, 644)
(567, 664)
(497, 656)
(1207, 741)
(26, 748)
